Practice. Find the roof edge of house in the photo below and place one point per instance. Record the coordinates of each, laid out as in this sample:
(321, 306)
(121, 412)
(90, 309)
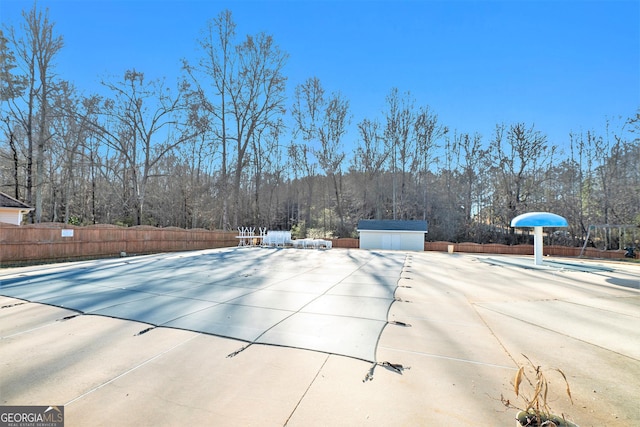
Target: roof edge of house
(18, 204)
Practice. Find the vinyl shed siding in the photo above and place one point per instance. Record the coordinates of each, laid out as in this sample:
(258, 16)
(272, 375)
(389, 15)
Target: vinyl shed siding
(392, 240)
(11, 216)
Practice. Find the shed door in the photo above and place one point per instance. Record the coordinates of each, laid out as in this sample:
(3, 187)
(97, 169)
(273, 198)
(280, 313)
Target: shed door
(391, 241)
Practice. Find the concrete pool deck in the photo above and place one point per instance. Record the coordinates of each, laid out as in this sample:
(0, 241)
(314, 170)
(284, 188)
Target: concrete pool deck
(457, 329)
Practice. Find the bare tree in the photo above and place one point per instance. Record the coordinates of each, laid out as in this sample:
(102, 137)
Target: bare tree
(617, 172)
(563, 196)
(196, 157)
(519, 161)
(398, 135)
(369, 159)
(12, 155)
(470, 158)
(257, 99)
(330, 154)
(304, 167)
(428, 131)
(307, 110)
(11, 86)
(213, 76)
(35, 49)
(242, 87)
(142, 124)
(267, 173)
(70, 166)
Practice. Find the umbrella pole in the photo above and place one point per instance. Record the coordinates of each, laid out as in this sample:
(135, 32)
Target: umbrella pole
(537, 245)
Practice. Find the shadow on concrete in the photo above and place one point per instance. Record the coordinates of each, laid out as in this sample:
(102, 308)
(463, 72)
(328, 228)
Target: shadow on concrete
(627, 283)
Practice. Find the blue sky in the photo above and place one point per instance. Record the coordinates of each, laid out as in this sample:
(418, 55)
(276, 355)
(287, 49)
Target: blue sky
(561, 65)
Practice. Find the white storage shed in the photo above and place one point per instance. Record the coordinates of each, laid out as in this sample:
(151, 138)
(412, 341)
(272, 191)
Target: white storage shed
(12, 211)
(392, 234)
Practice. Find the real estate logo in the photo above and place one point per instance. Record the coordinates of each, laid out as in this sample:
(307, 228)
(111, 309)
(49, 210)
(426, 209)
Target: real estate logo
(31, 416)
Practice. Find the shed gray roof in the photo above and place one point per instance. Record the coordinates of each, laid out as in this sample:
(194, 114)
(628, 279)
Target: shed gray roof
(7, 201)
(391, 225)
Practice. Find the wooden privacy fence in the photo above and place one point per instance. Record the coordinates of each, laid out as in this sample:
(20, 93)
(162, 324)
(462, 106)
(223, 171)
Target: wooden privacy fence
(54, 241)
(495, 248)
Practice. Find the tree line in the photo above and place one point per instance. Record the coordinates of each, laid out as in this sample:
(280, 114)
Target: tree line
(225, 147)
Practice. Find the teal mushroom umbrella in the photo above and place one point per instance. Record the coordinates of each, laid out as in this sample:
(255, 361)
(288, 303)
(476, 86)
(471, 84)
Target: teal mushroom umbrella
(538, 220)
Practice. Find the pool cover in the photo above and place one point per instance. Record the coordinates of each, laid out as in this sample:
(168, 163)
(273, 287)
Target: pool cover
(332, 301)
